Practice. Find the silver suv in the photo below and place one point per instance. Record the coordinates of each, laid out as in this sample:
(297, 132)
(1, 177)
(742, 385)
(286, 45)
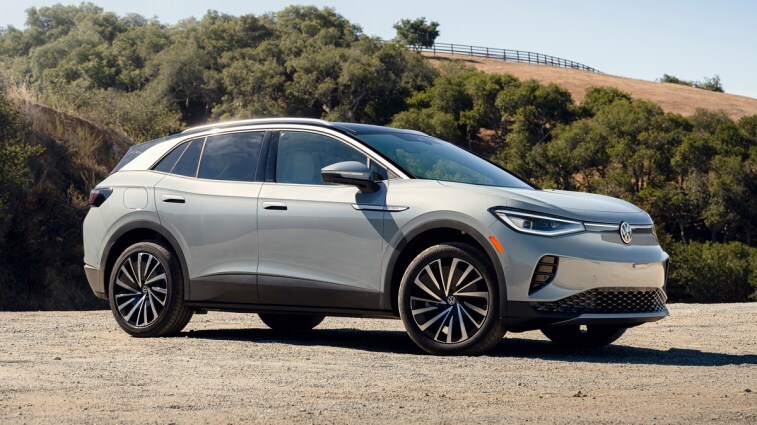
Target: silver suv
(297, 219)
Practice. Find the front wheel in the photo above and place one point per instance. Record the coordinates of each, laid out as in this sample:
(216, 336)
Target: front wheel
(575, 336)
(146, 291)
(449, 301)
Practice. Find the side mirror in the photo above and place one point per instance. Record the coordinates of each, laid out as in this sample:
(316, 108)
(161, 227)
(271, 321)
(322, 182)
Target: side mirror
(351, 173)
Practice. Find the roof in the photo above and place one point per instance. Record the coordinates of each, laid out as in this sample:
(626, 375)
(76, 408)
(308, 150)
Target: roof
(351, 128)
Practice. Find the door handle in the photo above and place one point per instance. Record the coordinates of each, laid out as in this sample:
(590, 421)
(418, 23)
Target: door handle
(175, 199)
(276, 206)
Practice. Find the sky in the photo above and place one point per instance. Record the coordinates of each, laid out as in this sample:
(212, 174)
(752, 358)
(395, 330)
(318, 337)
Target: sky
(641, 39)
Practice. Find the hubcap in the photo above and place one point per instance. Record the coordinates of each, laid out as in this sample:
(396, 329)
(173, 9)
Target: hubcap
(141, 289)
(449, 300)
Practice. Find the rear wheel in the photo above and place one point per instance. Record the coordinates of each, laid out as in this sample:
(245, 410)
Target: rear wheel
(146, 291)
(449, 302)
(291, 322)
(583, 336)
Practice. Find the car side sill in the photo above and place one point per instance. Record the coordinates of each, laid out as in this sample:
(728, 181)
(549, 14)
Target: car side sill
(267, 308)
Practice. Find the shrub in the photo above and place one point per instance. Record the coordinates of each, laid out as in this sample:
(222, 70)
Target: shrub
(712, 272)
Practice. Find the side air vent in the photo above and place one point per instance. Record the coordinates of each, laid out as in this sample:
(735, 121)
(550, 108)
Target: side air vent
(545, 272)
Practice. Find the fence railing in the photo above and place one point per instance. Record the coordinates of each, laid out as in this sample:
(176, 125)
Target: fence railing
(503, 54)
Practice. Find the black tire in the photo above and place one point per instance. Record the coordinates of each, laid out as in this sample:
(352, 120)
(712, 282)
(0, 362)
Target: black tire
(291, 322)
(473, 325)
(127, 287)
(592, 336)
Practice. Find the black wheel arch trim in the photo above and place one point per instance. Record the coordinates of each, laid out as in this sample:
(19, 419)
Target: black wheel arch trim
(386, 302)
(147, 225)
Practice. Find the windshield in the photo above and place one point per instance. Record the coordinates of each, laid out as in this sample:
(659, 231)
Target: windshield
(429, 158)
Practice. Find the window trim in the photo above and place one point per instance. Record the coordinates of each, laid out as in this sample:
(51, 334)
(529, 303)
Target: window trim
(263, 148)
(275, 154)
(273, 128)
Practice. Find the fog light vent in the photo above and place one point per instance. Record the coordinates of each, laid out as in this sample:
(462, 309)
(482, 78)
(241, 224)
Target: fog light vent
(545, 272)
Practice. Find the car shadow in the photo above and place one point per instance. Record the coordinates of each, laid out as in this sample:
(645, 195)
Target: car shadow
(398, 342)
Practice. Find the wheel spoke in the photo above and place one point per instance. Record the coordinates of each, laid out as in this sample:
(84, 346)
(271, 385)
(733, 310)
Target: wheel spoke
(423, 310)
(425, 289)
(125, 286)
(425, 326)
(441, 276)
(433, 278)
(478, 310)
(463, 276)
(136, 278)
(159, 290)
(478, 325)
(441, 325)
(448, 282)
(136, 305)
(149, 291)
(484, 295)
(152, 303)
(161, 276)
(139, 267)
(467, 285)
(127, 302)
(463, 330)
(449, 327)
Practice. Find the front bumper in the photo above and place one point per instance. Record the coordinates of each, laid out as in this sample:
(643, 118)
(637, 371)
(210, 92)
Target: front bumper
(95, 281)
(522, 316)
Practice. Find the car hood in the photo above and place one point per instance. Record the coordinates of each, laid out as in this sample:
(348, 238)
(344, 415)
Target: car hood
(576, 205)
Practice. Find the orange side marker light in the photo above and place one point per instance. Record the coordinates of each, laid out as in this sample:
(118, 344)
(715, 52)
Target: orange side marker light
(496, 244)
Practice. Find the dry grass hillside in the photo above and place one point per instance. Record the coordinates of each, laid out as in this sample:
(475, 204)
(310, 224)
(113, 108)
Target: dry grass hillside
(671, 97)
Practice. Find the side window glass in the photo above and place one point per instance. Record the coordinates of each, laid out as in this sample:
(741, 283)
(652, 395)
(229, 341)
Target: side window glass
(232, 157)
(166, 164)
(301, 156)
(187, 164)
(380, 171)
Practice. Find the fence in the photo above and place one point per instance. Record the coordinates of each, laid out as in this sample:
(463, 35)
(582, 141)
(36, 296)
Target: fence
(503, 54)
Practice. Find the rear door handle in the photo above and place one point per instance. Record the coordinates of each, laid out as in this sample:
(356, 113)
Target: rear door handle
(276, 206)
(175, 199)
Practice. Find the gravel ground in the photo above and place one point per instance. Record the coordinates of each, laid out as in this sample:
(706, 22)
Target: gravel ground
(699, 365)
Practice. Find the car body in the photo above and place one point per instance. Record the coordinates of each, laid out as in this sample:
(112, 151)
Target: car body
(300, 218)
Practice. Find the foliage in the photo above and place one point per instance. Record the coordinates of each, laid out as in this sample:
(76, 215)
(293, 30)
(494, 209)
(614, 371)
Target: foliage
(709, 83)
(417, 32)
(712, 272)
(146, 79)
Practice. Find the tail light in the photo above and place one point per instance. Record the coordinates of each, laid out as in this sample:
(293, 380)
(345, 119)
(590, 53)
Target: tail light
(98, 195)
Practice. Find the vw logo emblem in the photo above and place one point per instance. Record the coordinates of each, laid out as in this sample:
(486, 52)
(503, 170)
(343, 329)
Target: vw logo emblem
(626, 234)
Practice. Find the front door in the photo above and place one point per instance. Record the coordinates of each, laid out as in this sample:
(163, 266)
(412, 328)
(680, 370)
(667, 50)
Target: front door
(320, 244)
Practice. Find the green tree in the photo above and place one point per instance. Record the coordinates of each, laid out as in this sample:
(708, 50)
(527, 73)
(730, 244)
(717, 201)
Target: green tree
(417, 32)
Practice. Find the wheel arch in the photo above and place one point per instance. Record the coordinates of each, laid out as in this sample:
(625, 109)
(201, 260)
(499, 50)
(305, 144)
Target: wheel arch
(426, 235)
(138, 231)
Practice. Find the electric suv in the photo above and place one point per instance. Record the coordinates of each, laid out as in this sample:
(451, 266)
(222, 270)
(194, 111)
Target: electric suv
(298, 219)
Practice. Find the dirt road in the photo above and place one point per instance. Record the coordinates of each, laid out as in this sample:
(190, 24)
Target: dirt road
(699, 365)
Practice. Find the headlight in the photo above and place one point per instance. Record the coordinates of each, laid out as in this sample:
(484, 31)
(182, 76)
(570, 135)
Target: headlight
(537, 224)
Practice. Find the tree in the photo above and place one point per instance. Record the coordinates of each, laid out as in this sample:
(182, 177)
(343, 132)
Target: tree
(417, 32)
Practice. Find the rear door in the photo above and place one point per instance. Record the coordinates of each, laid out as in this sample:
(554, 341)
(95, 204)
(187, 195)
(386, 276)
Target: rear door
(320, 244)
(208, 201)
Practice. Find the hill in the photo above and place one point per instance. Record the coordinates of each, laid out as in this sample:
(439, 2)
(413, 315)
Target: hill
(41, 240)
(671, 97)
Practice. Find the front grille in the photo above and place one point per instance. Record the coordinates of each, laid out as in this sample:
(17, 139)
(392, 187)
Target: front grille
(608, 301)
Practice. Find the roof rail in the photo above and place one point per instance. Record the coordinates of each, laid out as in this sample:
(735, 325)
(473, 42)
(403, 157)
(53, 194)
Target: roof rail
(257, 121)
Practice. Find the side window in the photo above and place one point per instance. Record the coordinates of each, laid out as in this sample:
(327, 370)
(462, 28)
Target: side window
(187, 164)
(166, 164)
(301, 156)
(232, 157)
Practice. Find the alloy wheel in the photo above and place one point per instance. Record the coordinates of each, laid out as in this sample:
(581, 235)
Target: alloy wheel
(141, 289)
(449, 300)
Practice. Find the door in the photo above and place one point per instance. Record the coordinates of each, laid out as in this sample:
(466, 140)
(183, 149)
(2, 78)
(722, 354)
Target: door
(318, 247)
(208, 201)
